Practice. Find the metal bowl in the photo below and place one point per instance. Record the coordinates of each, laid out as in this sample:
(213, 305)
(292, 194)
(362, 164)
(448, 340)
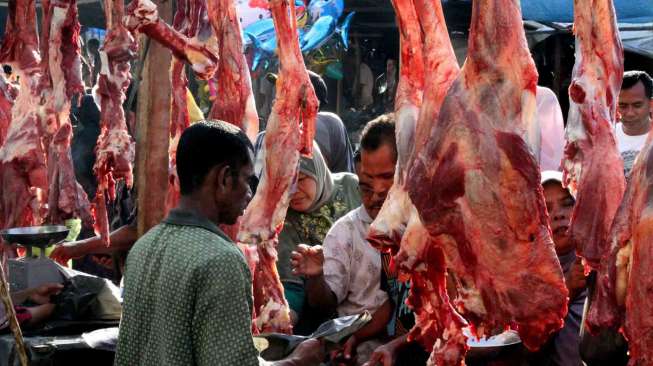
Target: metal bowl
(38, 236)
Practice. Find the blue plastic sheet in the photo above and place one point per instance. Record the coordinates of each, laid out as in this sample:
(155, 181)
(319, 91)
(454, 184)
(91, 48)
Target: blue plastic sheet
(562, 11)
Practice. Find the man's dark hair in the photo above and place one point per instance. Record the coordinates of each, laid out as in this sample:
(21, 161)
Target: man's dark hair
(320, 88)
(378, 132)
(205, 145)
(357, 156)
(633, 77)
(93, 43)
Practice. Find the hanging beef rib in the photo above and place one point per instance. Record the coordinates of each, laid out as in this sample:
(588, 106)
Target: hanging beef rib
(115, 147)
(592, 163)
(290, 131)
(477, 185)
(235, 100)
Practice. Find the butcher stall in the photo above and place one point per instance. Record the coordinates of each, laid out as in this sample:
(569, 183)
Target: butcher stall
(94, 96)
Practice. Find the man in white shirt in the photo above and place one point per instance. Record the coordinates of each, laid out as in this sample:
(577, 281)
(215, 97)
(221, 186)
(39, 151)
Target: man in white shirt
(634, 113)
(345, 273)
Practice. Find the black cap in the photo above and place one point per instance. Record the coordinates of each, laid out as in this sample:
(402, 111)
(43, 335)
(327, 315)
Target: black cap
(320, 87)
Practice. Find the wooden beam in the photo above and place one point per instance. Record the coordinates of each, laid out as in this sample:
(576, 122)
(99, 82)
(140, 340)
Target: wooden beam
(153, 130)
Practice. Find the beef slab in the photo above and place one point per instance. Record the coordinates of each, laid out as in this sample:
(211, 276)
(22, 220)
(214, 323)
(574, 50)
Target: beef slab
(477, 185)
(290, 131)
(592, 163)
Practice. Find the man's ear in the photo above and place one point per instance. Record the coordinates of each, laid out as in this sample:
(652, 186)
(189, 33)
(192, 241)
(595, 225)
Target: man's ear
(223, 175)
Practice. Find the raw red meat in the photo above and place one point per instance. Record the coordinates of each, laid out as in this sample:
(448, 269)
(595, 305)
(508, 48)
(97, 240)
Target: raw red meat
(438, 327)
(477, 187)
(626, 270)
(115, 147)
(61, 80)
(22, 156)
(8, 94)
(290, 131)
(143, 17)
(421, 260)
(36, 150)
(235, 101)
(67, 198)
(592, 163)
(187, 22)
(390, 223)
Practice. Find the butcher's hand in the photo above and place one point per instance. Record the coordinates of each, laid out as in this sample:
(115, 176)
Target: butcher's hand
(386, 354)
(307, 261)
(41, 294)
(575, 279)
(67, 251)
(308, 353)
(345, 355)
(623, 271)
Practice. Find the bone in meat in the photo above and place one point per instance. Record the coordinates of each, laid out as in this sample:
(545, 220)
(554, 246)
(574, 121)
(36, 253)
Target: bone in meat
(143, 17)
(390, 223)
(626, 268)
(8, 94)
(479, 191)
(290, 131)
(592, 163)
(186, 21)
(22, 156)
(235, 102)
(115, 147)
(437, 325)
(62, 80)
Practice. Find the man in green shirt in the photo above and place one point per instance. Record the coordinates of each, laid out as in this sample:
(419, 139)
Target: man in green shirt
(187, 296)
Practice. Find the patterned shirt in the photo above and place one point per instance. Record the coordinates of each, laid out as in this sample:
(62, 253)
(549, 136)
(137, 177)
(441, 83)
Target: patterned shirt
(352, 267)
(187, 298)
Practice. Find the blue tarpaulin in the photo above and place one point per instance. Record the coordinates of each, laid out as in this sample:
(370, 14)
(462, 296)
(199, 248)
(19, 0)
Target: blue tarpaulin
(562, 11)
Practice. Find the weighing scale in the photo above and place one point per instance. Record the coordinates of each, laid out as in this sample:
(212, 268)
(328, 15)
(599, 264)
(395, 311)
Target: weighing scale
(30, 271)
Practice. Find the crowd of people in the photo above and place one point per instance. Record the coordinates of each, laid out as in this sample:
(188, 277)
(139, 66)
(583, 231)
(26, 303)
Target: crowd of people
(187, 287)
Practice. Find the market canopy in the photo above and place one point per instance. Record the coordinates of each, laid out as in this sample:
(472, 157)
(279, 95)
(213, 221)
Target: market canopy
(562, 11)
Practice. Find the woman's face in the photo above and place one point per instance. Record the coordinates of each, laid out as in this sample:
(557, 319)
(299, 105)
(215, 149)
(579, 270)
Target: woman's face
(305, 194)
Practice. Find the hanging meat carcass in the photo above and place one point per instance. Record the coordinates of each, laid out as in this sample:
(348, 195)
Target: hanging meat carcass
(592, 163)
(186, 21)
(290, 131)
(438, 326)
(235, 102)
(22, 156)
(391, 221)
(625, 271)
(143, 17)
(61, 81)
(37, 146)
(477, 186)
(115, 147)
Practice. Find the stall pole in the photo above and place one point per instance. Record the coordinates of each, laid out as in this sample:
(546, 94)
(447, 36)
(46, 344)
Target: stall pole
(11, 315)
(153, 130)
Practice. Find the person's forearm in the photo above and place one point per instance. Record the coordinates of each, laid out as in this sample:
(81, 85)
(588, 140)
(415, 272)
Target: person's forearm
(398, 342)
(377, 325)
(120, 239)
(320, 295)
(20, 297)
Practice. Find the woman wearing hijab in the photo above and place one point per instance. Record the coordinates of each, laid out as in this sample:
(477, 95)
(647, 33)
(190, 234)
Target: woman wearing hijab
(320, 198)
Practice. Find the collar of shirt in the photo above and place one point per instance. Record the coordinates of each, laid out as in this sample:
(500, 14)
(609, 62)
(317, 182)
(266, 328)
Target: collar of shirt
(364, 216)
(567, 260)
(188, 218)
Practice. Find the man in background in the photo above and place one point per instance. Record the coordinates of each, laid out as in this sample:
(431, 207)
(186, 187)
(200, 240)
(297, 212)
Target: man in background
(634, 113)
